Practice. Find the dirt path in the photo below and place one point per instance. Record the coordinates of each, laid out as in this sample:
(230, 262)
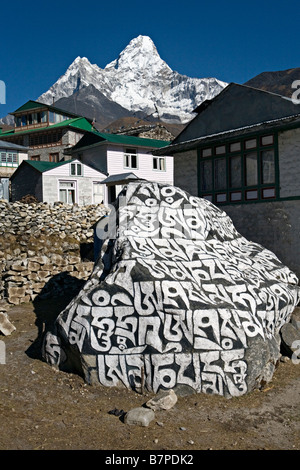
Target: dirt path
(43, 409)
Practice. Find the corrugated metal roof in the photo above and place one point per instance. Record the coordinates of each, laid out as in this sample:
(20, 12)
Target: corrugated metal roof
(30, 105)
(262, 126)
(120, 177)
(37, 105)
(45, 166)
(78, 123)
(11, 146)
(132, 140)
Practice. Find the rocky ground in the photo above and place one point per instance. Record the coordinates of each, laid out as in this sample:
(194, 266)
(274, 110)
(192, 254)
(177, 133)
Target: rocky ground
(44, 409)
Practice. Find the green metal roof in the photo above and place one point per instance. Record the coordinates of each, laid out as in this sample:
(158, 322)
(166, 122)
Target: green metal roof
(45, 166)
(31, 105)
(131, 140)
(78, 123)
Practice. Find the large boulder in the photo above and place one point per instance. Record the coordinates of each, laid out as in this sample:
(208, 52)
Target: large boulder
(177, 297)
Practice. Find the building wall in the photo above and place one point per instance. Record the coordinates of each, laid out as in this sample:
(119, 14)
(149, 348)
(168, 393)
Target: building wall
(185, 171)
(289, 167)
(94, 156)
(115, 165)
(29, 181)
(8, 171)
(276, 226)
(84, 188)
(22, 156)
(69, 138)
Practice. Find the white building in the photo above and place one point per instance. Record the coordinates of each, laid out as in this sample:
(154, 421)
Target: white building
(71, 182)
(11, 156)
(114, 154)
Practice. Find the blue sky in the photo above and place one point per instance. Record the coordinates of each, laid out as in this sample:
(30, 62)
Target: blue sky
(232, 41)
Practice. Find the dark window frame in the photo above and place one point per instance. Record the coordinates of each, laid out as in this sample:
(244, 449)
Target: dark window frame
(239, 193)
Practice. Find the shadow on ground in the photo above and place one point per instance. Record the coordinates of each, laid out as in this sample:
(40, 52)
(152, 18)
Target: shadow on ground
(51, 301)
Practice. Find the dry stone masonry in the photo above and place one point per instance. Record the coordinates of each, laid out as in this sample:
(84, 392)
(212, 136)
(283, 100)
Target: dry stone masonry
(41, 248)
(177, 298)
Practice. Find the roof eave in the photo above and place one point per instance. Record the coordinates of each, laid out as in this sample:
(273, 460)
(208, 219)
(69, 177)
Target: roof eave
(282, 123)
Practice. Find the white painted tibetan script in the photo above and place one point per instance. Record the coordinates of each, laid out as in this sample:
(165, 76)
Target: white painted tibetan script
(177, 297)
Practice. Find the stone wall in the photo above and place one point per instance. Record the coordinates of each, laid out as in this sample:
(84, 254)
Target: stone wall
(69, 138)
(185, 171)
(289, 168)
(275, 225)
(44, 248)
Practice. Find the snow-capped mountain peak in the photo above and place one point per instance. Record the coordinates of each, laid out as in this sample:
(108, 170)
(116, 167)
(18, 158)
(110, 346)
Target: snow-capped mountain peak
(140, 54)
(140, 81)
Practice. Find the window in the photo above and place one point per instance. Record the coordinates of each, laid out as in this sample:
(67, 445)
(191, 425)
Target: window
(251, 169)
(235, 171)
(220, 150)
(31, 118)
(130, 159)
(45, 139)
(54, 157)
(44, 116)
(235, 147)
(35, 158)
(220, 173)
(206, 175)
(76, 169)
(67, 192)
(9, 159)
(18, 121)
(206, 152)
(159, 163)
(239, 171)
(268, 166)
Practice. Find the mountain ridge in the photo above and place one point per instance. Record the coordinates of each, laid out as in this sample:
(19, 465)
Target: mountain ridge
(279, 82)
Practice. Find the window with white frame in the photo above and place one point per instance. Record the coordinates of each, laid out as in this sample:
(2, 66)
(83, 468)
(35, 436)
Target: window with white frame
(67, 192)
(159, 163)
(130, 159)
(9, 159)
(76, 169)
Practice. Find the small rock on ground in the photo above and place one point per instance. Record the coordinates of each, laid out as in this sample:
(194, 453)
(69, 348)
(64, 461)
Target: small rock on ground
(139, 416)
(6, 327)
(164, 400)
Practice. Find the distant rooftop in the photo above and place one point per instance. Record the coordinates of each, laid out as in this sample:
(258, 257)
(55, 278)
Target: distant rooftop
(98, 138)
(45, 166)
(121, 177)
(11, 146)
(78, 123)
(37, 105)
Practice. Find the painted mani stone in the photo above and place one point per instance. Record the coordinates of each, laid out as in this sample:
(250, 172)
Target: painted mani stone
(177, 297)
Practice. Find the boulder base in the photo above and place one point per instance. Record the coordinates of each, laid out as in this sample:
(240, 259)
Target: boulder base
(177, 298)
